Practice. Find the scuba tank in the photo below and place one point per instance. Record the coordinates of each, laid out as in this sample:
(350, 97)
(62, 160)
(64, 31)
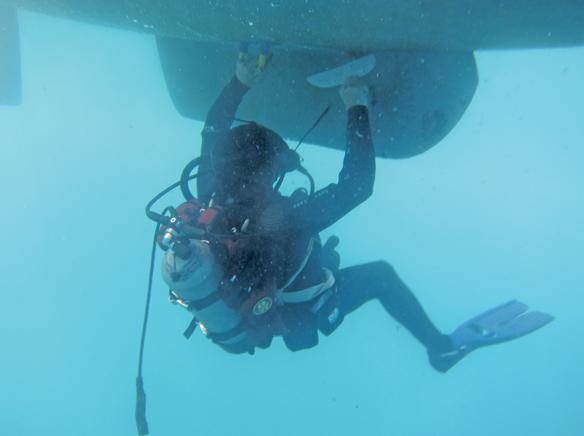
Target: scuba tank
(194, 284)
(194, 273)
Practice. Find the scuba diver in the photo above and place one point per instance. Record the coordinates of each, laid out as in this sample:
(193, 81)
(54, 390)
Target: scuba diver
(247, 261)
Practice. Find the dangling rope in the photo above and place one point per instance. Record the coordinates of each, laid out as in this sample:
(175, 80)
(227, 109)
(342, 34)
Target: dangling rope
(313, 126)
(300, 168)
(141, 422)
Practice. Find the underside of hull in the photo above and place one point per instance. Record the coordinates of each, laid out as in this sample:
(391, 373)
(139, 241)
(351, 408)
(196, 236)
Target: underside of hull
(418, 96)
(423, 81)
(360, 25)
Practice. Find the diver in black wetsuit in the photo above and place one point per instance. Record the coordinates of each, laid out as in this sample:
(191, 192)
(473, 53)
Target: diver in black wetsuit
(238, 169)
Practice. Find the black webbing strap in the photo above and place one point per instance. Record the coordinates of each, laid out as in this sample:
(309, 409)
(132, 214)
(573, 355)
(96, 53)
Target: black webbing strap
(191, 328)
(225, 336)
(196, 305)
(205, 302)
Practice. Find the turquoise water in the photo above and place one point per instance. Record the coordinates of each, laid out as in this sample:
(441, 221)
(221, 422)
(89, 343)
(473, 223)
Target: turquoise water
(492, 213)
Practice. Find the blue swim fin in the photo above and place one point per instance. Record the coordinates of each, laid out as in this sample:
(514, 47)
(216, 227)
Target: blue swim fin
(500, 324)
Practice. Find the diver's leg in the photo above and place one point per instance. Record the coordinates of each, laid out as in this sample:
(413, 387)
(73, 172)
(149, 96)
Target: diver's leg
(358, 284)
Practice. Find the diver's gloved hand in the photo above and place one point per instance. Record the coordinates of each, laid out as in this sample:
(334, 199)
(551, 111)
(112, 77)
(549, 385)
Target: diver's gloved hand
(251, 70)
(355, 92)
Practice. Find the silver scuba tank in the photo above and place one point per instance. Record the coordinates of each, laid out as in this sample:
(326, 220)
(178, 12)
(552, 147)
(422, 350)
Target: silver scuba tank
(195, 283)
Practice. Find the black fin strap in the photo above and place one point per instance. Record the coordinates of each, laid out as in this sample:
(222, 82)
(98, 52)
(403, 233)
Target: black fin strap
(191, 328)
(225, 336)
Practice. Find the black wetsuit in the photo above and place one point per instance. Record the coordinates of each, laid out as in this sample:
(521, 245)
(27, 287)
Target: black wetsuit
(284, 222)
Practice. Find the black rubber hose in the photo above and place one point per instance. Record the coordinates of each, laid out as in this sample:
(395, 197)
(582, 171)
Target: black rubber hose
(160, 219)
(185, 177)
(307, 174)
(181, 251)
(156, 217)
(193, 232)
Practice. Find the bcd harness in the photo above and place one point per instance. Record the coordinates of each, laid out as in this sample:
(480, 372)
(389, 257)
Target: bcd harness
(259, 303)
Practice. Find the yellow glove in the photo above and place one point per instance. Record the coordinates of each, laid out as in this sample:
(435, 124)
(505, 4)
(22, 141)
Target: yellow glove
(252, 70)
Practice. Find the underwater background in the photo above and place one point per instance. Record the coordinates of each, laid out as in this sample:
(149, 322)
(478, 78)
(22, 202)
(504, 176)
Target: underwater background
(492, 213)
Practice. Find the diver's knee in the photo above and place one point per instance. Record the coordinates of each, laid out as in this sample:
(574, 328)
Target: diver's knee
(383, 268)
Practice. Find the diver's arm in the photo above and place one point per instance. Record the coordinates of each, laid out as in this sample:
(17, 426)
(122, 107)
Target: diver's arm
(222, 114)
(356, 178)
(318, 211)
(219, 119)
